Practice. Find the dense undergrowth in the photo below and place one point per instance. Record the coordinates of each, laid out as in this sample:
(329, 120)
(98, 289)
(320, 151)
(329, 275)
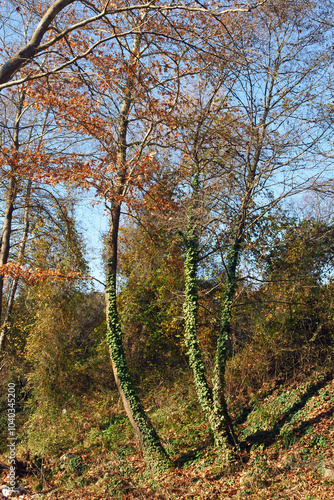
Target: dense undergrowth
(286, 434)
(74, 439)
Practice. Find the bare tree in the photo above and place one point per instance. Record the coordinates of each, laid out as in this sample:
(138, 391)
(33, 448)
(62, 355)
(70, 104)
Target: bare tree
(255, 138)
(29, 138)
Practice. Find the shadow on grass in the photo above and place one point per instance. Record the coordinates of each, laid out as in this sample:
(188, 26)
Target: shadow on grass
(193, 455)
(247, 410)
(304, 425)
(269, 437)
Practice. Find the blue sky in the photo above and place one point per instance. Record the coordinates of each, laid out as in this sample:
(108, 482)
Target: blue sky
(93, 224)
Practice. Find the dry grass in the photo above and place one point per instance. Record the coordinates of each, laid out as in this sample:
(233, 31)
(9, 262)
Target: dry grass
(286, 452)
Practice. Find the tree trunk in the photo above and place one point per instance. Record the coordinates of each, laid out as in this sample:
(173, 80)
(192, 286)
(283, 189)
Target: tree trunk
(213, 400)
(221, 416)
(153, 451)
(190, 309)
(11, 197)
(11, 297)
(216, 414)
(6, 232)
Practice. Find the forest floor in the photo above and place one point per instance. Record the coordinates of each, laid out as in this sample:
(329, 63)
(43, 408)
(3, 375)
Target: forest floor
(286, 435)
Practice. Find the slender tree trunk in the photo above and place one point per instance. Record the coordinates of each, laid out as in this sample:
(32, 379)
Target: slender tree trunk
(221, 416)
(11, 197)
(190, 310)
(6, 232)
(153, 451)
(217, 415)
(220, 413)
(11, 297)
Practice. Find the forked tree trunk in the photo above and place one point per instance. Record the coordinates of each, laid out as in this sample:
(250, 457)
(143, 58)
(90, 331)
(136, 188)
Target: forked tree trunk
(213, 400)
(214, 409)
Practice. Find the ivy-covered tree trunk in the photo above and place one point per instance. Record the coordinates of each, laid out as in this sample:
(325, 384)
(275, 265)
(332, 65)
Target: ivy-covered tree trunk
(221, 416)
(215, 409)
(216, 412)
(190, 310)
(153, 451)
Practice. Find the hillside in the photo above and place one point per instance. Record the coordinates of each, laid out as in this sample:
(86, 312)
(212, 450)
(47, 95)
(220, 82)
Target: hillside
(166, 249)
(286, 435)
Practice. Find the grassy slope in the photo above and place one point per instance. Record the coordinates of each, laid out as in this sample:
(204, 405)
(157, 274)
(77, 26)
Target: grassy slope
(286, 436)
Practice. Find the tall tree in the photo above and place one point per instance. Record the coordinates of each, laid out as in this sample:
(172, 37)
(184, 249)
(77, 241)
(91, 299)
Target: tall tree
(125, 109)
(123, 121)
(29, 147)
(254, 161)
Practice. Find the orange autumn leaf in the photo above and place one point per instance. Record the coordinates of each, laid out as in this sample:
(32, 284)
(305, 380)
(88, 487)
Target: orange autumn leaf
(38, 275)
